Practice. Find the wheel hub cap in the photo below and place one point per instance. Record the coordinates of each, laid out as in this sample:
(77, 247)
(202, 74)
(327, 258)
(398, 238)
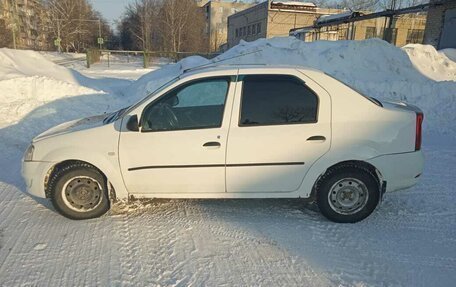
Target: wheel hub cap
(348, 196)
(82, 193)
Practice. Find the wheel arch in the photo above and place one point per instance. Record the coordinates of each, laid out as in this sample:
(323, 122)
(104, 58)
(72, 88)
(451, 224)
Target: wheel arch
(348, 163)
(111, 190)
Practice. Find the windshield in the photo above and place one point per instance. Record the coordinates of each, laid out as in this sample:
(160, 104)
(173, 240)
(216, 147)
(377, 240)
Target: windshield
(159, 89)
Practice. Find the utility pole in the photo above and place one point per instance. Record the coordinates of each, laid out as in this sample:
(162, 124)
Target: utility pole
(58, 36)
(14, 27)
(99, 33)
(388, 33)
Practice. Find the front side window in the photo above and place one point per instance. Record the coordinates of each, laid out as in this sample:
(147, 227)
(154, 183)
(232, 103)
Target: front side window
(276, 100)
(194, 105)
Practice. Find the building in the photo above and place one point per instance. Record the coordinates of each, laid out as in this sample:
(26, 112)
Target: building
(405, 29)
(23, 18)
(441, 24)
(272, 18)
(217, 12)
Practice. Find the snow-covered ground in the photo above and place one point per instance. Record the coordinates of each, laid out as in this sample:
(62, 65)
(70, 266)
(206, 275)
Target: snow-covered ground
(410, 240)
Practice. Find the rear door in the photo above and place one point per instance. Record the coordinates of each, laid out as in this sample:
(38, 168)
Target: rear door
(280, 126)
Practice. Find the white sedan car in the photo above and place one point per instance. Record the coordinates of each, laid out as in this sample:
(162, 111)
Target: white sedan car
(234, 132)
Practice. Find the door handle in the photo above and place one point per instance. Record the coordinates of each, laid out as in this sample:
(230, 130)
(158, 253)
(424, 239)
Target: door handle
(316, 138)
(212, 144)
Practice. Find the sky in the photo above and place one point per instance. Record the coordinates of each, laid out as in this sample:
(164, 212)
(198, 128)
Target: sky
(110, 9)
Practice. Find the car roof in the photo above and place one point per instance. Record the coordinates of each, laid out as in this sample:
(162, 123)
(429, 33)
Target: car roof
(241, 67)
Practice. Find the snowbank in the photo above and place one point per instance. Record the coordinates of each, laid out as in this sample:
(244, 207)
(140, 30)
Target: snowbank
(373, 66)
(432, 63)
(32, 86)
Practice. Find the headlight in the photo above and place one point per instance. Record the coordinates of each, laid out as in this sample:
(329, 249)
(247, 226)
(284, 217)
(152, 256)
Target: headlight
(28, 155)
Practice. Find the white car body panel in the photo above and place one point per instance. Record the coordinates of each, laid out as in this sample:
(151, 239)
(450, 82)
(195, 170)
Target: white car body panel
(354, 128)
(176, 148)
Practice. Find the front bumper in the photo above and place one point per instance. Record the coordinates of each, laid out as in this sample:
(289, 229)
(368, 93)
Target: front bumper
(34, 174)
(400, 171)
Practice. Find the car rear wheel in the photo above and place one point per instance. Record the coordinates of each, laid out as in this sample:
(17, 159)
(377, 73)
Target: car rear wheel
(79, 191)
(347, 194)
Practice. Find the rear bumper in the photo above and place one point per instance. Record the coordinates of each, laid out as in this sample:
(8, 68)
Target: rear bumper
(400, 171)
(34, 174)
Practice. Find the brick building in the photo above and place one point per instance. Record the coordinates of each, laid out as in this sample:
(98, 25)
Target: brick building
(217, 12)
(272, 18)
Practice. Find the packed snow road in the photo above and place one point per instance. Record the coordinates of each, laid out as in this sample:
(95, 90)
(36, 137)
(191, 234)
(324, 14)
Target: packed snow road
(410, 240)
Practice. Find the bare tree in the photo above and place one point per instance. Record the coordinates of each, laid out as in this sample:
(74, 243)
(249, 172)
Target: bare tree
(164, 25)
(75, 23)
(182, 26)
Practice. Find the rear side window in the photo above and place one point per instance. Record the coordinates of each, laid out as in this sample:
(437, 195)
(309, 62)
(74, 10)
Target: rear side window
(277, 100)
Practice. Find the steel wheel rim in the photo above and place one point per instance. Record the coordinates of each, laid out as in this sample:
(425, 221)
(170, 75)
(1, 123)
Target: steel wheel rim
(82, 193)
(348, 196)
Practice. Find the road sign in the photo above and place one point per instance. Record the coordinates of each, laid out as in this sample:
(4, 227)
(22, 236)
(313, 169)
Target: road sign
(100, 41)
(57, 42)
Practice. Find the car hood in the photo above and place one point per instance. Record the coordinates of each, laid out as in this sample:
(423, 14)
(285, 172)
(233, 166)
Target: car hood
(72, 126)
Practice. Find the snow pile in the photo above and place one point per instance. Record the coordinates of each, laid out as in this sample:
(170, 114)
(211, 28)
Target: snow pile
(23, 63)
(372, 66)
(33, 86)
(28, 81)
(431, 63)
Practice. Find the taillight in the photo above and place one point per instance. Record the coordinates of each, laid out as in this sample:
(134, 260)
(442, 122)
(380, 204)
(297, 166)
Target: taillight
(418, 137)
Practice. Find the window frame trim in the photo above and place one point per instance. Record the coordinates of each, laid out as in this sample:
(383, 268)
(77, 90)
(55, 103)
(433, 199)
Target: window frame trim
(230, 80)
(241, 78)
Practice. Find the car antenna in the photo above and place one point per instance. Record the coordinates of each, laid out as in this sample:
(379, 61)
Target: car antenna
(212, 63)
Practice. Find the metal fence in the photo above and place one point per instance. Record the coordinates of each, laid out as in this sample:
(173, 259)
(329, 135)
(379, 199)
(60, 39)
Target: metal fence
(145, 58)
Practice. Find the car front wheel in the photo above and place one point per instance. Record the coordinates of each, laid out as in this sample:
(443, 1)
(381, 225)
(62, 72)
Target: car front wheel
(348, 194)
(79, 191)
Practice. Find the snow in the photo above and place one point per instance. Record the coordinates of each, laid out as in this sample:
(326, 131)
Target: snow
(325, 18)
(372, 66)
(294, 3)
(408, 241)
(434, 64)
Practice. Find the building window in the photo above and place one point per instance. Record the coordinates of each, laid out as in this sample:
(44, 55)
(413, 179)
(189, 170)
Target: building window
(258, 28)
(244, 30)
(249, 30)
(415, 36)
(371, 32)
(237, 32)
(253, 29)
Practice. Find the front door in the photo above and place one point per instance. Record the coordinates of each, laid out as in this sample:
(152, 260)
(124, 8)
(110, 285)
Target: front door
(182, 142)
(280, 127)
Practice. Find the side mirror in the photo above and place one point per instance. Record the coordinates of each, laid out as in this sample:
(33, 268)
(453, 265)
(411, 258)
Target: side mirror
(132, 124)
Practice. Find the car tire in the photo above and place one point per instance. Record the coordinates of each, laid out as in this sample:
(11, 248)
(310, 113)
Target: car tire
(347, 193)
(79, 191)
